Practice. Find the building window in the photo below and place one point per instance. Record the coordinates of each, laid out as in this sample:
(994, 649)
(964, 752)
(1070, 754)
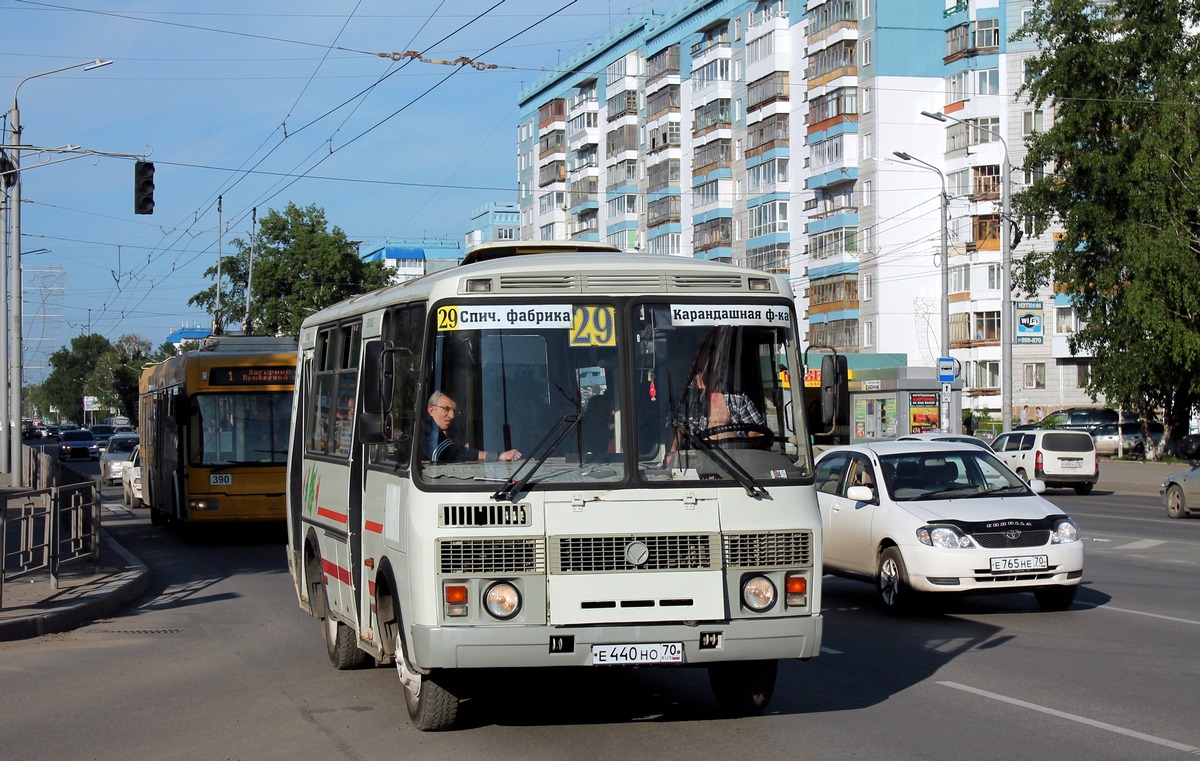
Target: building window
(867, 6)
(867, 96)
(987, 374)
(868, 145)
(960, 278)
(1083, 374)
(1033, 121)
(868, 192)
(868, 334)
(866, 51)
(957, 87)
(1035, 375)
(987, 326)
(866, 288)
(546, 232)
(987, 82)
(958, 183)
(768, 218)
(993, 274)
(1064, 320)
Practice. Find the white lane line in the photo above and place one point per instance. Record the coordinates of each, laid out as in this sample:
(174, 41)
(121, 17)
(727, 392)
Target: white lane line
(1140, 613)
(1072, 717)
(830, 651)
(1141, 544)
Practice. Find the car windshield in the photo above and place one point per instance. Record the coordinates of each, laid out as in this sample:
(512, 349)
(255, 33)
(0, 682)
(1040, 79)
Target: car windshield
(121, 445)
(78, 436)
(948, 474)
(101, 430)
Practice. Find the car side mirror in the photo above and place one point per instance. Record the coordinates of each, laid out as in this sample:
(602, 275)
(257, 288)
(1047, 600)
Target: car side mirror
(860, 493)
(1037, 486)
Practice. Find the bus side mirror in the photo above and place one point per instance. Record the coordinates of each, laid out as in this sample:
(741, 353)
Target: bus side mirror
(835, 396)
(378, 384)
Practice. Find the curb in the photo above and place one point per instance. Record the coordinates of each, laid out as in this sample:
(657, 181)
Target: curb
(103, 602)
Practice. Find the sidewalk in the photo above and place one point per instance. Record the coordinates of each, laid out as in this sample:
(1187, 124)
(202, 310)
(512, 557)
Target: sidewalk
(31, 607)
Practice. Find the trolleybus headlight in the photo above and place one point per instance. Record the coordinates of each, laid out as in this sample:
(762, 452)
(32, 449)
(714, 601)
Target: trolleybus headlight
(198, 505)
(758, 593)
(502, 600)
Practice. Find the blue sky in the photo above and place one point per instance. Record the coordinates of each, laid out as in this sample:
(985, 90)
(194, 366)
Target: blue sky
(206, 89)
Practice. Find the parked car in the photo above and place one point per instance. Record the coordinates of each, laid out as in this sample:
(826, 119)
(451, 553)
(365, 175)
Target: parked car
(103, 432)
(916, 516)
(131, 480)
(958, 438)
(1073, 418)
(1056, 457)
(116, 457)
(77, 444)
(1106, 439)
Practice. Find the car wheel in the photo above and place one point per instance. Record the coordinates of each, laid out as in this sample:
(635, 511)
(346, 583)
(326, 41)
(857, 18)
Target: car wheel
(1176, 503)
(895, 593)
(1083, 488)
(1057, 597)
(743, 688)
(1022, 475)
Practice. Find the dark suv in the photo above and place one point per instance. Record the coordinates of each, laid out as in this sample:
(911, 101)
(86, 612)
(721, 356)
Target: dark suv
(1073, 418)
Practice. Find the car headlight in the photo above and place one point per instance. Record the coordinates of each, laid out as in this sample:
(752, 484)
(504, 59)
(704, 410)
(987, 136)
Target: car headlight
(502, 600)
(945, 537)
(758, 593)
(1065, 531)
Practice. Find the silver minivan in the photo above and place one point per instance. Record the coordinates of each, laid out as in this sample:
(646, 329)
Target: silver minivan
(1060, 458)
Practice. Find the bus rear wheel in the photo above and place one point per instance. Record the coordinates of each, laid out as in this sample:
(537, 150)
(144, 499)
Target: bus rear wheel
(743, 688)
(340, 641)
(431, 699)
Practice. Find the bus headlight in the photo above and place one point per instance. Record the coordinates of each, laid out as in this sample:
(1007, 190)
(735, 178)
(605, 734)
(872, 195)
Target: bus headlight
(758, 593)
(502, 600)
(198, 505)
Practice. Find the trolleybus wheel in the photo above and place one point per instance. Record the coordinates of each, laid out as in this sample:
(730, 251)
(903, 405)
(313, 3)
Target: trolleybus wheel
(157, 517)
(743, 688)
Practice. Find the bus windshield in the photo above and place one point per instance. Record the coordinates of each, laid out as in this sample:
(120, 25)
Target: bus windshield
(238, 429)
(592, 393)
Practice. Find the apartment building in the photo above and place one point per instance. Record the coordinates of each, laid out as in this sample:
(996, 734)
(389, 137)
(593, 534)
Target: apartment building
(766, 133)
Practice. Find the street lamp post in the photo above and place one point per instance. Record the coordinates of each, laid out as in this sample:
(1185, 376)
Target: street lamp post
(1006, 312)
(945, 347)
(15, 363)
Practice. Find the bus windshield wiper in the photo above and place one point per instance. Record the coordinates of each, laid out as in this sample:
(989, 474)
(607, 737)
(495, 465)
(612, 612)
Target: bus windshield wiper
(723, 458)
(515, 485)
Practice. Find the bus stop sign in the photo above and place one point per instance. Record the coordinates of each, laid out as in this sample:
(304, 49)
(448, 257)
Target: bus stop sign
(946, 370)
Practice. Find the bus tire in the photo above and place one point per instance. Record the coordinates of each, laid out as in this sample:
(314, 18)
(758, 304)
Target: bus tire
(157, 517)
(743, 688)
(340, 640)
(431, 699)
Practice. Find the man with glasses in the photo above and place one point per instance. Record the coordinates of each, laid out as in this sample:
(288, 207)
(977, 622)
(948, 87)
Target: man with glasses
(439, 447)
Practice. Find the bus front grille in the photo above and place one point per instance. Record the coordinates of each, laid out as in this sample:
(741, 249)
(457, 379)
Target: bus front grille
(769, 549)
(491, 556)
(666, 552)
(491, 514)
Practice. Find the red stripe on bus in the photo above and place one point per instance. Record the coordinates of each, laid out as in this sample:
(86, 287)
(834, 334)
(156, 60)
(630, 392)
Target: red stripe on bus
(376, 527)
(371, 587)
(332, 515)
(336, 571)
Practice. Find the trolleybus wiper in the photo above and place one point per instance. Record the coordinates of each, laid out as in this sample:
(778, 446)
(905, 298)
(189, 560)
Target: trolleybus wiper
(721, 457)
(513, 486)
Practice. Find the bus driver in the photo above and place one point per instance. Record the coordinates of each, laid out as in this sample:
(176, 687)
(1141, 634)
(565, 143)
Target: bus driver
(439, 447)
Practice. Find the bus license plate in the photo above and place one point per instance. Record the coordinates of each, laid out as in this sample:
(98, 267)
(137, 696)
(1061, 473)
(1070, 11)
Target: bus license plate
(1024, 563)
(633, 655)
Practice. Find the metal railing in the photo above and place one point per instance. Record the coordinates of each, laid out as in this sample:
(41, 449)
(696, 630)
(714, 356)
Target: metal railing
(54, 524)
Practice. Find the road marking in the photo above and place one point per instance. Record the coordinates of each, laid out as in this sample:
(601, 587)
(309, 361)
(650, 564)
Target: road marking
(1073, 717)
(830, 651)
(1141, 544)
(1139, 613)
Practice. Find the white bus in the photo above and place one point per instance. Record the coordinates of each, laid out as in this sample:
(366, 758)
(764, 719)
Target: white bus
(557, 455)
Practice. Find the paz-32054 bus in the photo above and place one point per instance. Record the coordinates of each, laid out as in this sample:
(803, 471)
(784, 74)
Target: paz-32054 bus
(549, 457)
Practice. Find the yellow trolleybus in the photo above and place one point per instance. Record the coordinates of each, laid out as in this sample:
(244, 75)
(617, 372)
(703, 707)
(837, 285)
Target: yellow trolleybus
(557, 455)
(214, 428)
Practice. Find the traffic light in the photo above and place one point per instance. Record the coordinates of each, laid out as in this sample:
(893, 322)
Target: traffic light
(143, 187)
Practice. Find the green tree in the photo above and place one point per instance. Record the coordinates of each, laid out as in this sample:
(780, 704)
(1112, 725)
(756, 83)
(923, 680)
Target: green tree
(71, 372)
(299, 266)
(1122, 161)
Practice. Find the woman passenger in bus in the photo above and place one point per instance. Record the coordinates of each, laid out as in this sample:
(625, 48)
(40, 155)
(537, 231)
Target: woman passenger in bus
(439, 447)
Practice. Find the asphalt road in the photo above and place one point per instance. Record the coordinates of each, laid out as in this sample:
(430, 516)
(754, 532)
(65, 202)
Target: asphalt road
(217, 661)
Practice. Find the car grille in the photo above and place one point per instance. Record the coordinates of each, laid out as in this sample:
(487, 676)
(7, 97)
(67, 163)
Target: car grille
(1001, 540)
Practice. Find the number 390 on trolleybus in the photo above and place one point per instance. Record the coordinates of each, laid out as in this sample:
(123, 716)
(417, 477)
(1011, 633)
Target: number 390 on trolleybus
(557, 457)
(214, 426)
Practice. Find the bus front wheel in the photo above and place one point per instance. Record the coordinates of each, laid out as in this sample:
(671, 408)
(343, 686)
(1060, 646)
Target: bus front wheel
(743, 688)
(432, 699)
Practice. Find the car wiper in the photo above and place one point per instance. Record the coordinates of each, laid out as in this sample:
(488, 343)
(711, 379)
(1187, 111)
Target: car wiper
(723, 458)
(1010, 487)
(947, 490)
(512, 486)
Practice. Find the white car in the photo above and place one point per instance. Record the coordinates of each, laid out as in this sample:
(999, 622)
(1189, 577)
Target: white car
(1057, 457)
(915, 517)
(131, 480)
(116, 457)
